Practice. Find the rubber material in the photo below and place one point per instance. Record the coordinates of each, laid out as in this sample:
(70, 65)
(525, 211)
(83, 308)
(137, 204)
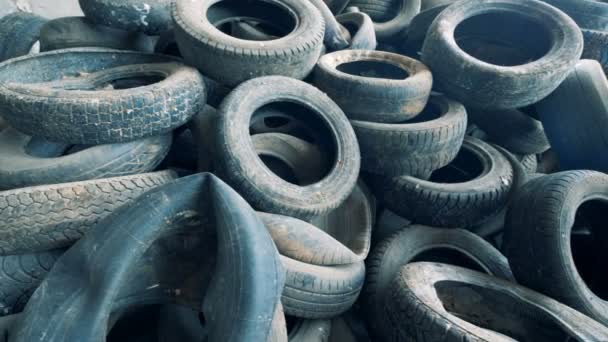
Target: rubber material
(361, 29)
(35, 96)
(238, 164)
(390, 16)
(19, 31)
(309, 330)
(588, 14)
(357, 81)
(20, 168)
(507, 78)
(148, 16)
(596, 43)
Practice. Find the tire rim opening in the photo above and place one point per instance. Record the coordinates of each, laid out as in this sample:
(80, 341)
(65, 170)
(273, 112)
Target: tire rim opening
(495, 310)
(270, 19)
(450, 256)
(431, 111)
(280, 168)
(588, 242)
(465, 167)
(503, 38)
(373, 69)
(131, 82)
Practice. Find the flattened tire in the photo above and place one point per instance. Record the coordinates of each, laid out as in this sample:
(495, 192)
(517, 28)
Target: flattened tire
(20, 169)
(555, 239)
(426, 143)
(486, 79)
(152, 17)
(54, 216)
(19, 31)
(239, 165)
(315, 292)
(467, 200)
(416, 243)
(98, 116)
(232, 61)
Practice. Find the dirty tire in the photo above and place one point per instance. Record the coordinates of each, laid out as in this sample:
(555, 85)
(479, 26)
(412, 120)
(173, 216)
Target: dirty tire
(19, 168)
(20, 275)
(390, 16)
(455, 196)
(512, 129)
(43, 107)
(577, 126)
(361, 29)
(424, 297)
(501, 80)
(541, 225)
(588, 14)
(180, 323)
(152, 17)
(72, 32)
(529, 162)
(317, 292)
(310, 330)
(596, 47)
(239, 165)
(413, 244)
(418, 28)
(54, 216)
(381, 97)
(232, 61)
(19, 31)
(426, 143)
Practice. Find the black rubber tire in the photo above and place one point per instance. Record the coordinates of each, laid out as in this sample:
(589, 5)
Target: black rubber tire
(437, 302)
(361, 29)
(529, 162)
(19, 31)
(180, 323)
(20, 275)
(237, 161)
(547, 162)
(54, 216)
(388, 223)
(390, 16)
(411, 244)
(337, 6)
(475, 195)
(588, 14)
(596, 47)
(72, 32)
(370, 92)
(100, 116)
(428, 4)
(152, 17)
(19, 168)
(418, 28)
(232, 61)
(539, 244)
(310, 330)
(512, 129)
(352, 222)
(301, 241)
(577, 126)
(418, 147)
(335, 37)
(511, 23)
(318, 292)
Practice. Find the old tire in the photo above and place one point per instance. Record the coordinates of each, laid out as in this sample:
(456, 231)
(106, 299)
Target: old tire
(148, 16)
(390, 16)
(361, 29)
(19, 31)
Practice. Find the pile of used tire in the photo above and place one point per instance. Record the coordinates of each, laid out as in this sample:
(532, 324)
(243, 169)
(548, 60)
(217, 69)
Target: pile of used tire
(219, 170)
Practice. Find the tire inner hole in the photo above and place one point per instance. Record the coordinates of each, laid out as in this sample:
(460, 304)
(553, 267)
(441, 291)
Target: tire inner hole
(465, 167)
(431, 111)
(499, 311)
(373, 69)
(589, 245)
(131, 82)
(451, 256)
(505, 38)
(269, 18)
(280, 168)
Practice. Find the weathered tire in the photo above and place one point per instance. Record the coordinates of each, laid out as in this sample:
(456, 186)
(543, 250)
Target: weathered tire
(470, 189)
(512, 129)
(374, 86)
(421, 243)
(361, 29)
(588, 14)
(53, 216)
(148, 16)
(437, 302)
(596, 47)
(418, 147)
(387, 225)
(390, 16)
(555, 237)
(317, 292)
(180, 323)
(494, 70)
(577, 126)
(73, 32)
(34, 99)
(529, 162)
(428, 4)
(19, 31)
(310, 330)
(20, 275)
(237, 161)
(19, 168)
(418, 28)
(232, 61)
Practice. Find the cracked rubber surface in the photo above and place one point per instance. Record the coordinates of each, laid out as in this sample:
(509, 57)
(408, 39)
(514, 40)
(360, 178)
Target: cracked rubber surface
(53, 216)
(36, 99)
(18, 32)
(20, 168)
(152, 17)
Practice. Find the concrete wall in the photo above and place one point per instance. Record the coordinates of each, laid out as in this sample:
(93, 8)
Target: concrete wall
(45, 8)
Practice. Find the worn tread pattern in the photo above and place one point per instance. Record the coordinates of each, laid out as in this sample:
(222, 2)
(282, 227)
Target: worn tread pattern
(53, 216)
(596, 47)
(150, 16)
